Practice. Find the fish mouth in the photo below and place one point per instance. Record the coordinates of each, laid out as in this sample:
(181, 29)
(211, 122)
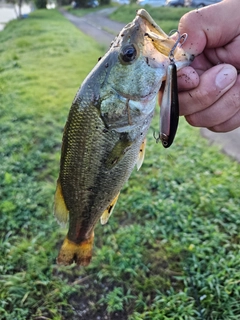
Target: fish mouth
(154, 32)
(162, 42)
(149, 40)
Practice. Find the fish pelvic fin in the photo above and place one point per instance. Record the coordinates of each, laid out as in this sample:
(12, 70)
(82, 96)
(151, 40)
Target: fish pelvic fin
(141, 154)
(60, 209)
(81, 253)
(107, 213)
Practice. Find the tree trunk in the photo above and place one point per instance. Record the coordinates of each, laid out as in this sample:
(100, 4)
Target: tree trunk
(20, 8)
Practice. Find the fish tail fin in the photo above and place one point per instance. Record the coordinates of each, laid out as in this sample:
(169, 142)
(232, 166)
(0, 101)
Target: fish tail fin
(60, 208)
(81, 253)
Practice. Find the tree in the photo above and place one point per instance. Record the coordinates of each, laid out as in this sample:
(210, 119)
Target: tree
(41, 4)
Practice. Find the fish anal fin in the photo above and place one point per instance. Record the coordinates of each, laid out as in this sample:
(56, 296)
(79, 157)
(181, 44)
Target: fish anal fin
(60, 208)
(81, 253)
(141, 154)
(107, 213)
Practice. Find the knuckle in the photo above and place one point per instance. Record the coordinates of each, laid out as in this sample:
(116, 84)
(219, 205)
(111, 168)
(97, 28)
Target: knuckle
(234, 102)
(216, 129)
(203, 99)
(192, 120)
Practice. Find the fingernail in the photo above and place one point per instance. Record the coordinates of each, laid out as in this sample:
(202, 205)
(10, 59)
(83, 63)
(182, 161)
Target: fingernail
(226, 77)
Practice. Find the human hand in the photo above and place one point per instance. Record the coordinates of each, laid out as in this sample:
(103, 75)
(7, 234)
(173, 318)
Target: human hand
(210, 89)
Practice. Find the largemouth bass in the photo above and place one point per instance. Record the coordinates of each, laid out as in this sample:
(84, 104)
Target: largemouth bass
(104, 137)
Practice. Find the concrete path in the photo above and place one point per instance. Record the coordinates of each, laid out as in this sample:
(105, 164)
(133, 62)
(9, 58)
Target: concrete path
(7, 13)
(103, 30)
(229, 141)
(97, 25)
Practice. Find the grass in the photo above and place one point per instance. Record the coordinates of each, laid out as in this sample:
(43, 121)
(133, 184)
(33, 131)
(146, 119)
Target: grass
(83, 11)
(171, 248)
(166, 17)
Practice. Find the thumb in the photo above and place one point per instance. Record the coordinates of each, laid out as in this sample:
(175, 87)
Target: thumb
(213, 84)
(206, 27)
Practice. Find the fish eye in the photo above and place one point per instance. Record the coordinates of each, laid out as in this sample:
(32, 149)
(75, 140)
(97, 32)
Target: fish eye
(128, 54)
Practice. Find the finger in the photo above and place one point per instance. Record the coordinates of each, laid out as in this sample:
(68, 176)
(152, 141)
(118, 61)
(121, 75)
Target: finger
(229, 125)
(206, 27)
(213, 84)
(187, 79)
(228, 53)
(201, 63)
(219, 112)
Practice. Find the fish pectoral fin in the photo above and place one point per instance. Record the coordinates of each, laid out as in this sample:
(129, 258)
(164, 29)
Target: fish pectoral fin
(60, 208)
(107, 213)
(81, 253)
(119, 150)
(141, 154)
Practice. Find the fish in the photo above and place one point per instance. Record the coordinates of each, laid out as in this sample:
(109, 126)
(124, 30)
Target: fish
(105, 134)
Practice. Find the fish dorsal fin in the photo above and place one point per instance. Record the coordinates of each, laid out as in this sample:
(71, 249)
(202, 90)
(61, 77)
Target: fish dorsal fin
(107, 213)
(60, 208)
(141, 154)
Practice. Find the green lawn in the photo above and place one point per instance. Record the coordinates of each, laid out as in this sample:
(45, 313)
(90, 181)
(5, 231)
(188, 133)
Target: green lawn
(83, 11)
(166, 17)
(171, 250)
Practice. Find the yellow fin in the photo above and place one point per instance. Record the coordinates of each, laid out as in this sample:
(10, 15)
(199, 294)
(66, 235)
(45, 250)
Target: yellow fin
(107, 213)
(141, 154)
(60, 209)
(81, 253)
